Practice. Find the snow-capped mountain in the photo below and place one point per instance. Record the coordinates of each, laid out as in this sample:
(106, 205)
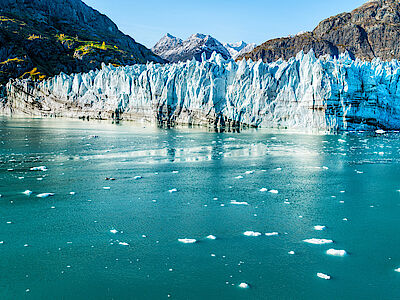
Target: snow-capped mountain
(174, 49)
(240, 48)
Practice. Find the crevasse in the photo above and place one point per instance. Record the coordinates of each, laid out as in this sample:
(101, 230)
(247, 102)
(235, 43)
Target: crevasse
(305, 92)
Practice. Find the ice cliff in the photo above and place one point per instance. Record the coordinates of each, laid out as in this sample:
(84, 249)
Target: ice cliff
(304, 92)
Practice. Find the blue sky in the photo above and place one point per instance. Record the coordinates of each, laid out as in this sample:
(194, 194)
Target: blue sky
(228, 21)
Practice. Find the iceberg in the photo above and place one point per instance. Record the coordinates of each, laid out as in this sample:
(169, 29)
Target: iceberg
(323, 93)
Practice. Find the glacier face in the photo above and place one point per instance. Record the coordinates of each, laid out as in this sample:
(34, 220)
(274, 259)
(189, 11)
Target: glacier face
(304, 92)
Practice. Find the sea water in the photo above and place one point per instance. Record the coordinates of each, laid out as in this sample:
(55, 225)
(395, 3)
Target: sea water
(102, 211)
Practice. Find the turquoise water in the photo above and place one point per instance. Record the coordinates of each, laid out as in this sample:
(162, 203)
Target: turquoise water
(61, 247)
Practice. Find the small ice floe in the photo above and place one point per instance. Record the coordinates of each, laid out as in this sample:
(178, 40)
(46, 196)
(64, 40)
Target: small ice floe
(252, 233)
(211, 237)
(272, 233)
(263, 190)
(278, 169)
(106, 188)
(137, 177)
(397, 270)
(249, 172)
(291, 253)
(244, 285)
(318, 241)
(123, 244)
(234, 202)
(319, 227)
(41, 168)
(27, 192)
(274, 191)
(335, 252)
(114, 231)
(341, 141)
(72, 193)
(187, 241)
(239, 177)
(175, 172)
(380, 131)
(325, 168)
(173, 191)
(323, 276)
(45, 195)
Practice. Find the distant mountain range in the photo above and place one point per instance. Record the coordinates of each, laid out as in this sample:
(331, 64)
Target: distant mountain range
(174, 49)
(42, 38)
(372, 30)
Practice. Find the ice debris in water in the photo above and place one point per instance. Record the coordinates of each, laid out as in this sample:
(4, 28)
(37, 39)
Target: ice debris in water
(244, 285)
(114, 231)
(123, 244)
(324, 276)
(27, 192)
(211, 237)
(187, 241)
(41, 168)
(397, 270)
(106, 188)
(137, 177)
(319, 227)
(45, 195)
(318, 241)
(239, 177)
(72, 193)
(263, 190)
(249, 172)
(234, 202)
(380, 131)
(252, 233)
(272, 233)
(291, 252)
(173, 191)
(274, 192)
(336, 252)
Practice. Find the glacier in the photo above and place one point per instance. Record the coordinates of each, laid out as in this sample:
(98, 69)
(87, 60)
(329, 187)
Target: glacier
(304, 92)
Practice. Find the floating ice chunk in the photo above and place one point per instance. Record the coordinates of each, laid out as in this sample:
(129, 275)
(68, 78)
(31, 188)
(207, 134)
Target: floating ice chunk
(318, 241)
(324, 276)
(263, 190)
(41, 168)
(114, 231)
(137, 177)
(291, 252)
(272, 233)
(244, 285)
(173, 191)
(212, 237)
(336, 252)
(249, 172)
(278, 169)
(175, 172)
(27, 192)
(234, 202)
(239, 177)
(380, 131)
(106, 188)
(45, 195)
(319, 227)
(274, 192)
(397, 270)
(123, 244)
(252, 233)
(72, 193)
(187, 241)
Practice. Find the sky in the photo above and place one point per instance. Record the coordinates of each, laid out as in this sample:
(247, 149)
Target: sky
(253, 21)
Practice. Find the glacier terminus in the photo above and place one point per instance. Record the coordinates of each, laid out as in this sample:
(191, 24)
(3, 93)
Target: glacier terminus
(304, 92)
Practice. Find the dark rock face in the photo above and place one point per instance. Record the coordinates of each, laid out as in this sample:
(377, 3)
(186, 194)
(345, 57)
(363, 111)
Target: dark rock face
(40, 38)
(372, 30)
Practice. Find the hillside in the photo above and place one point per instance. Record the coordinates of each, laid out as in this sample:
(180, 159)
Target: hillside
(41, 38)
(372, 30)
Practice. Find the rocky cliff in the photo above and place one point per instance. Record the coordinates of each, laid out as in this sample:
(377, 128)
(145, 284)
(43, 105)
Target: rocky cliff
(370, 31)
(41, 38)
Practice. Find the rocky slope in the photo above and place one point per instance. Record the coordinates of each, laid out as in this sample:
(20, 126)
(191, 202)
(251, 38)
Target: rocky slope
(239, 49)
(41, 38)
(174, 49)
(372, 30)
(304, 92)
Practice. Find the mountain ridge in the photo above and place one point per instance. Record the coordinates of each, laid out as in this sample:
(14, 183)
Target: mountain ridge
(369, 31)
